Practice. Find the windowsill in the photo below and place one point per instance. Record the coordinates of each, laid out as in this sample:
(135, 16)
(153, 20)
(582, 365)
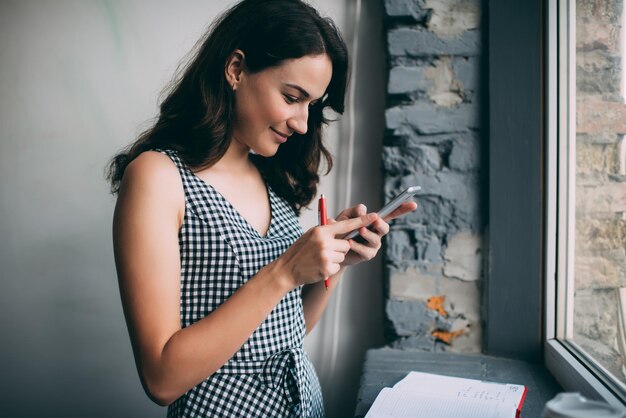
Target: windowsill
(574, 376)
(385, 367)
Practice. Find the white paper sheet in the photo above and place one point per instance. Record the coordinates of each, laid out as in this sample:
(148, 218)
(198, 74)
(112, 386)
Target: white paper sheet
(425, 395)
(456, 387)
(392, 403)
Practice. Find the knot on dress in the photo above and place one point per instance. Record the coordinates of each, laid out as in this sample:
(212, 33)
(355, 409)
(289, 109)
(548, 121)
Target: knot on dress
(283, 371)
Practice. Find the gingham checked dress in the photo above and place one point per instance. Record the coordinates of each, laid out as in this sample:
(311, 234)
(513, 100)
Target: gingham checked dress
(270, 376)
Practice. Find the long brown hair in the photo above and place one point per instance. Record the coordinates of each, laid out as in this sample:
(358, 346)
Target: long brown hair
(196, 117)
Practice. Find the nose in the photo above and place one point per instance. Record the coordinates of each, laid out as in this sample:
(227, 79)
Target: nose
(298, 122)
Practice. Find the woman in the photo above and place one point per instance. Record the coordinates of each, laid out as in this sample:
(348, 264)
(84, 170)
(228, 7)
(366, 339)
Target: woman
(218, 282)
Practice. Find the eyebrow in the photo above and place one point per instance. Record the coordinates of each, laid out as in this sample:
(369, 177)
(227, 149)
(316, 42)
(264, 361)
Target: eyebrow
(300, 89)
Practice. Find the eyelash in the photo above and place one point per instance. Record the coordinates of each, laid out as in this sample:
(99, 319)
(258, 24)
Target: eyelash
(290, 99)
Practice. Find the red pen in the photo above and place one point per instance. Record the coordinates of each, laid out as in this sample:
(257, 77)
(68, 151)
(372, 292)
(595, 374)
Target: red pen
(321, 211)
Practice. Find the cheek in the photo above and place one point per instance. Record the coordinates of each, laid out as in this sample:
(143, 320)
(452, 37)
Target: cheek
(273, 109)
(279, 113)
(258, 110)
(270, 106)
(244, 109)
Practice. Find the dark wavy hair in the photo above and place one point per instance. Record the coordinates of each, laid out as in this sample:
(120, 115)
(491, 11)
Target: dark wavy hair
(196, 117)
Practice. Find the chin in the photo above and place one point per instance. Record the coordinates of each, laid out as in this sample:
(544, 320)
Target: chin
(267, 152)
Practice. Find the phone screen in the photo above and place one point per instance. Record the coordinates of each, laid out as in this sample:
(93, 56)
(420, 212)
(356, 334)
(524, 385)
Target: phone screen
(393, 204)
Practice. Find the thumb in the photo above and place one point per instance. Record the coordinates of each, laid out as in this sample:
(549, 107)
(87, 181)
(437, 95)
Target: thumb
(350, 225)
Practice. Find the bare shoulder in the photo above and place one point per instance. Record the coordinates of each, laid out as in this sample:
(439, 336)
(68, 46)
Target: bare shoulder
(153, 170)
(152, 166)
(152, 178)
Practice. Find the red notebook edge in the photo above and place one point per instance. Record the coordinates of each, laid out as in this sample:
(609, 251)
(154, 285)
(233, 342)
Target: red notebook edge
(518, 413)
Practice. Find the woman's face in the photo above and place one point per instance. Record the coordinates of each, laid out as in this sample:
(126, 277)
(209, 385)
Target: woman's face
(274, 103)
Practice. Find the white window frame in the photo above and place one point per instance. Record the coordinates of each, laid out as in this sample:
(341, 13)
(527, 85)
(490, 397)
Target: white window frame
(573, 371)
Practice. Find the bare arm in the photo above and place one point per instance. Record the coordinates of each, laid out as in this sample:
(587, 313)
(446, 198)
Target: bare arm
(171, 360)
(315, 298)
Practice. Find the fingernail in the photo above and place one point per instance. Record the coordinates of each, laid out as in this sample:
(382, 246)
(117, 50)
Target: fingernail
(371, 216)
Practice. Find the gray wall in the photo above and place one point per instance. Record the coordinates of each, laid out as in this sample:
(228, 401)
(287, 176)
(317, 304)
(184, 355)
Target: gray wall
(78, 81)
(77, 78)
(434, 139)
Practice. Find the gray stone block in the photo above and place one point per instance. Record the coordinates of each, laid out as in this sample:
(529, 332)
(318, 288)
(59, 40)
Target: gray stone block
(465, 155)
(451, 198)
(433, 250)
(426, 118)
(419, 159)
(406, 8)
(408, 79)
(412, 244)
(467, 70)
(413, 138)
(409, 317)
(400, 246)
(416, 342)
(421, 42)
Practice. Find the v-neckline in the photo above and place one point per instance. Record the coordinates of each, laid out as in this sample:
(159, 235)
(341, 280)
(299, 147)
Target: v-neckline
(268, 191)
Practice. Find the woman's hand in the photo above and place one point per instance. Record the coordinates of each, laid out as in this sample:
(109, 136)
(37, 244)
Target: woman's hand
(320, 251)
(364, 251)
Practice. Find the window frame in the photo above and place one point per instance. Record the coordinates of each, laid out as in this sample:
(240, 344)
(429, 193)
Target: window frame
(522, 119)
(513, 289)
(563, 359)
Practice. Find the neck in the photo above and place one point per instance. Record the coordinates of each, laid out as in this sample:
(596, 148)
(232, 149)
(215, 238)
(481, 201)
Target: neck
(235, 159)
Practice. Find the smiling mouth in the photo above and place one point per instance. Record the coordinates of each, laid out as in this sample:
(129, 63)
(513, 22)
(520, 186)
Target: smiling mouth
(280, 133)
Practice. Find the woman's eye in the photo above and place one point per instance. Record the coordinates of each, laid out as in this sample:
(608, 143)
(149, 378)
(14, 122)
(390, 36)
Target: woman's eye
(290, 99)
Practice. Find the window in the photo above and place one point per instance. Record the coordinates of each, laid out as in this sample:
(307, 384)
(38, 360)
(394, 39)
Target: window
(586, 197)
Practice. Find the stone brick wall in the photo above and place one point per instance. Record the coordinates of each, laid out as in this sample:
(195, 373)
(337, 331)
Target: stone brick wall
(600, 261)
(433, 138)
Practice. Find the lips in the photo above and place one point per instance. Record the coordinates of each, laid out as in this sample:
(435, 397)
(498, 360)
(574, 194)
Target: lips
(282, 137)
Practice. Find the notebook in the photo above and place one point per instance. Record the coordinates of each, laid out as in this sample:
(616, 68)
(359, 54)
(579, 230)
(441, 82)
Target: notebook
(426, 395)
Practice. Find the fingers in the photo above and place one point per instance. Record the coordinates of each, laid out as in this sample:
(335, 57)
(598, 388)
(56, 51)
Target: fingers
(348, 225)
(322, 234)
(360, 210)
(332, 257)
(403, 209)
(329, 269)
(373, 235)
(329, 244)
(363, 250)
(341, 246)
(353, 212)
(314, 256)
(371, 238)
(337, 257)
(381, 226)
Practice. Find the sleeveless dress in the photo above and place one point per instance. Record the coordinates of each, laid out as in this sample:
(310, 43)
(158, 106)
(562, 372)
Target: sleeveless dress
(271, 375)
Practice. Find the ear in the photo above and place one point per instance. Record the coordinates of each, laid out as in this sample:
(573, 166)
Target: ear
(234, 68)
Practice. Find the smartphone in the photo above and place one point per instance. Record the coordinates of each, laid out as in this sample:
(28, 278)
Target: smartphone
(391, 206)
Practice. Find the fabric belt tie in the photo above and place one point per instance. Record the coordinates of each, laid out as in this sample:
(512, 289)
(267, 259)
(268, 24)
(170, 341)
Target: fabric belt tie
(283, 371)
